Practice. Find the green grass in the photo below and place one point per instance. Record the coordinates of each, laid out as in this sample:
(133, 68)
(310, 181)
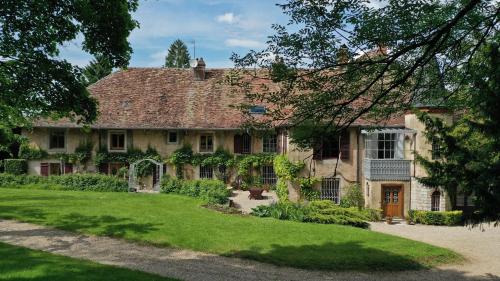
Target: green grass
(178, 221)
(17, 263)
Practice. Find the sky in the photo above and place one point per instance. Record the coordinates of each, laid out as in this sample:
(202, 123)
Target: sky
(218, 28)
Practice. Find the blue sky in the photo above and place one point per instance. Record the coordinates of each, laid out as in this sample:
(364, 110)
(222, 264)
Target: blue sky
(219, 27)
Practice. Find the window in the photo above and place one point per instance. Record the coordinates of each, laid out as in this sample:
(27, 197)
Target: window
(206, 172)
(57, 139)
(331, 146)
(268, 175)
(243, 144)
(117, 141)
(257, 109)
(55, 169)
(386, 145)
(330, 189)
(270, 144)
(172, 137)
(435, 200)
(206, 143)
(436, 150)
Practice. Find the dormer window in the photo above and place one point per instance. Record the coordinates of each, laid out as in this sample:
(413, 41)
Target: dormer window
(257, 109)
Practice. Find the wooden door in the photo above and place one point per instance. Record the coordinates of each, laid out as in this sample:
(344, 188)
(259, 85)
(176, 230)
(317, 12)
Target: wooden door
(392, 201)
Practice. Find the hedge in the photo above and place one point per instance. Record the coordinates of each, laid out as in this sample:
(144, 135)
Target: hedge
(16, 166)
(82, 182)
(211, 191)
(320, 211)
(436, 218)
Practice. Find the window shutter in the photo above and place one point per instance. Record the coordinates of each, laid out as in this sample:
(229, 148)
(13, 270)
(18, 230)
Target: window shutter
(238, 144)
(103, 139)
(130, 139)
(317, 151)
(68, 168)
(44, 169)
(345, 148)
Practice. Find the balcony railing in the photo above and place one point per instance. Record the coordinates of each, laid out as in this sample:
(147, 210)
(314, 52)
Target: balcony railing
(387, 169)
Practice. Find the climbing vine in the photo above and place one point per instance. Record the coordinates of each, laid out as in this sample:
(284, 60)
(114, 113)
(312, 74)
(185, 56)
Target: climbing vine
(132, 155)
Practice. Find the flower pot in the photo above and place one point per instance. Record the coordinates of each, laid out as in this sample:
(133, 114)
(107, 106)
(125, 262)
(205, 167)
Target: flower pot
(388, 220)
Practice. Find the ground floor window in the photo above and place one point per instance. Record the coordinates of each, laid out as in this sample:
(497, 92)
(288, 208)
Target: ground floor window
(268, 175)
(206, 172)
(330, 189)
(435, 200)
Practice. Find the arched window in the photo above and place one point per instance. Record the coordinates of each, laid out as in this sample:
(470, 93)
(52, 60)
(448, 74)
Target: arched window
(435, 200)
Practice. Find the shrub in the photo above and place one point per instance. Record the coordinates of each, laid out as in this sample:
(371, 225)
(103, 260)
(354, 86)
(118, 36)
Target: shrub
(211, 191)
(354, 197)
(282, 190)
(435, 218)
(16, 166)
(82, 182)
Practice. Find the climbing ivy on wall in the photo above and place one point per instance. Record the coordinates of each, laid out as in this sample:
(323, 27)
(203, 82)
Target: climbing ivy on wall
(132, 155)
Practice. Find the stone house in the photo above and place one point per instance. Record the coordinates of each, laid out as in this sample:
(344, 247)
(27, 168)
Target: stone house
(167, 108)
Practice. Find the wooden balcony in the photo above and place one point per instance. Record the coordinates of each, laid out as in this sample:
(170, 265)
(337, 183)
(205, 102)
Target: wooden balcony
(387, 169)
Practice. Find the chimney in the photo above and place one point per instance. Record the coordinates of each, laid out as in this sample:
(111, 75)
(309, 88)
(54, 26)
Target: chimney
(199, 70)
(343, 55)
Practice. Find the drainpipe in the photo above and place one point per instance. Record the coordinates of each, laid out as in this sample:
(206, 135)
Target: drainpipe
(358, 169)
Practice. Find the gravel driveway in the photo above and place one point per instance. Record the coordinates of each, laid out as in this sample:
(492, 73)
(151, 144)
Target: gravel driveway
(483, 252)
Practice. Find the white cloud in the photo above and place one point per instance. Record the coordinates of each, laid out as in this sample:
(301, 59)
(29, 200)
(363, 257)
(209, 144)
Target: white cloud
(229, 18)
(244, 43)
(376, 4)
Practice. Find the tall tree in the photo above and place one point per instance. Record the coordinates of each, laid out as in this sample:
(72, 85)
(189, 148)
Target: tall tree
(178, 55)
(96, 70)
(34, 80)
(470, 148)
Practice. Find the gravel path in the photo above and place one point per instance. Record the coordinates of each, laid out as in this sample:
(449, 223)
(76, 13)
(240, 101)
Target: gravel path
(189, 265)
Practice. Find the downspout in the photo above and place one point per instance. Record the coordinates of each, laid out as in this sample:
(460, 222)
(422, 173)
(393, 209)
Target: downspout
(358, 169)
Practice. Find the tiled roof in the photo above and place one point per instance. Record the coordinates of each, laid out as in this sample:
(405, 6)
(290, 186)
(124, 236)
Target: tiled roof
(163, 98)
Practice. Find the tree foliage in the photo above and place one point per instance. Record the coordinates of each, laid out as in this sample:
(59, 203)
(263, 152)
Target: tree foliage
(98, 68)
(471, 146)
(338, 61)
(178, 55)
(34, 80)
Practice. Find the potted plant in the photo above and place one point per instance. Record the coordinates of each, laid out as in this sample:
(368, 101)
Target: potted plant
(388, 220)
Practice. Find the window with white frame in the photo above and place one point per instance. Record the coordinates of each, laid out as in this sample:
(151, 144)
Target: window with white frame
(386, 145)
(436, 150)
(57, 139)
(206, 172)
(268, 175)
(117, 140)
(270, 144)
(206, 143)
(330, 189)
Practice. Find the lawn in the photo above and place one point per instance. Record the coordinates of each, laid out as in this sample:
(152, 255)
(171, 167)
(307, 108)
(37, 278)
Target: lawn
(19, 263)
(178, 221)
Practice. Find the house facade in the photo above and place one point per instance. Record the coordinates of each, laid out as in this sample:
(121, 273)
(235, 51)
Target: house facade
(165, 109)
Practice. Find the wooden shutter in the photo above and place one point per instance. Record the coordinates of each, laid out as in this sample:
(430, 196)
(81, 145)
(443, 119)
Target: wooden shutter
(238, 143)
(345, 148)
(317, 151)
(44, 169)
(68, 168)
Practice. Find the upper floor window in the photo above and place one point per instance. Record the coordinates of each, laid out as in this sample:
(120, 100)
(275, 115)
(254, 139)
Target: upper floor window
(270, 144)
(386, 145)
(243, 144)
(172, 137)
(57, 139)
(331, 146)
(206, 143)
(117, 140)
(436, 150)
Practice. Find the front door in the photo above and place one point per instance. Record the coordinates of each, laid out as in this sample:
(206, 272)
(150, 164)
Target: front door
(392, 201)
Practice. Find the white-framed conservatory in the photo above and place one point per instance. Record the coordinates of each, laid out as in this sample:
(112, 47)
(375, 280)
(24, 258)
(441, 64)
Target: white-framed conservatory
(385, 154)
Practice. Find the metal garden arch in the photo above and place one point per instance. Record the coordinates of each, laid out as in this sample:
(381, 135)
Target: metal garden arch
(157, 175)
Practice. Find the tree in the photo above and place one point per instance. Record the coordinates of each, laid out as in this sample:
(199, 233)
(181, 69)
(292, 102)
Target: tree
(339, 61)
(470, 148)
(34, 81)
(178, 55)
(96, 70)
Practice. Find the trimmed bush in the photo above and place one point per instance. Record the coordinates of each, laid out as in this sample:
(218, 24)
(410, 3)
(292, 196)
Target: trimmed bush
(354, 197)
(16, 166)
(211, 191)
(82, 182)
(436, 218)
(321, 211)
